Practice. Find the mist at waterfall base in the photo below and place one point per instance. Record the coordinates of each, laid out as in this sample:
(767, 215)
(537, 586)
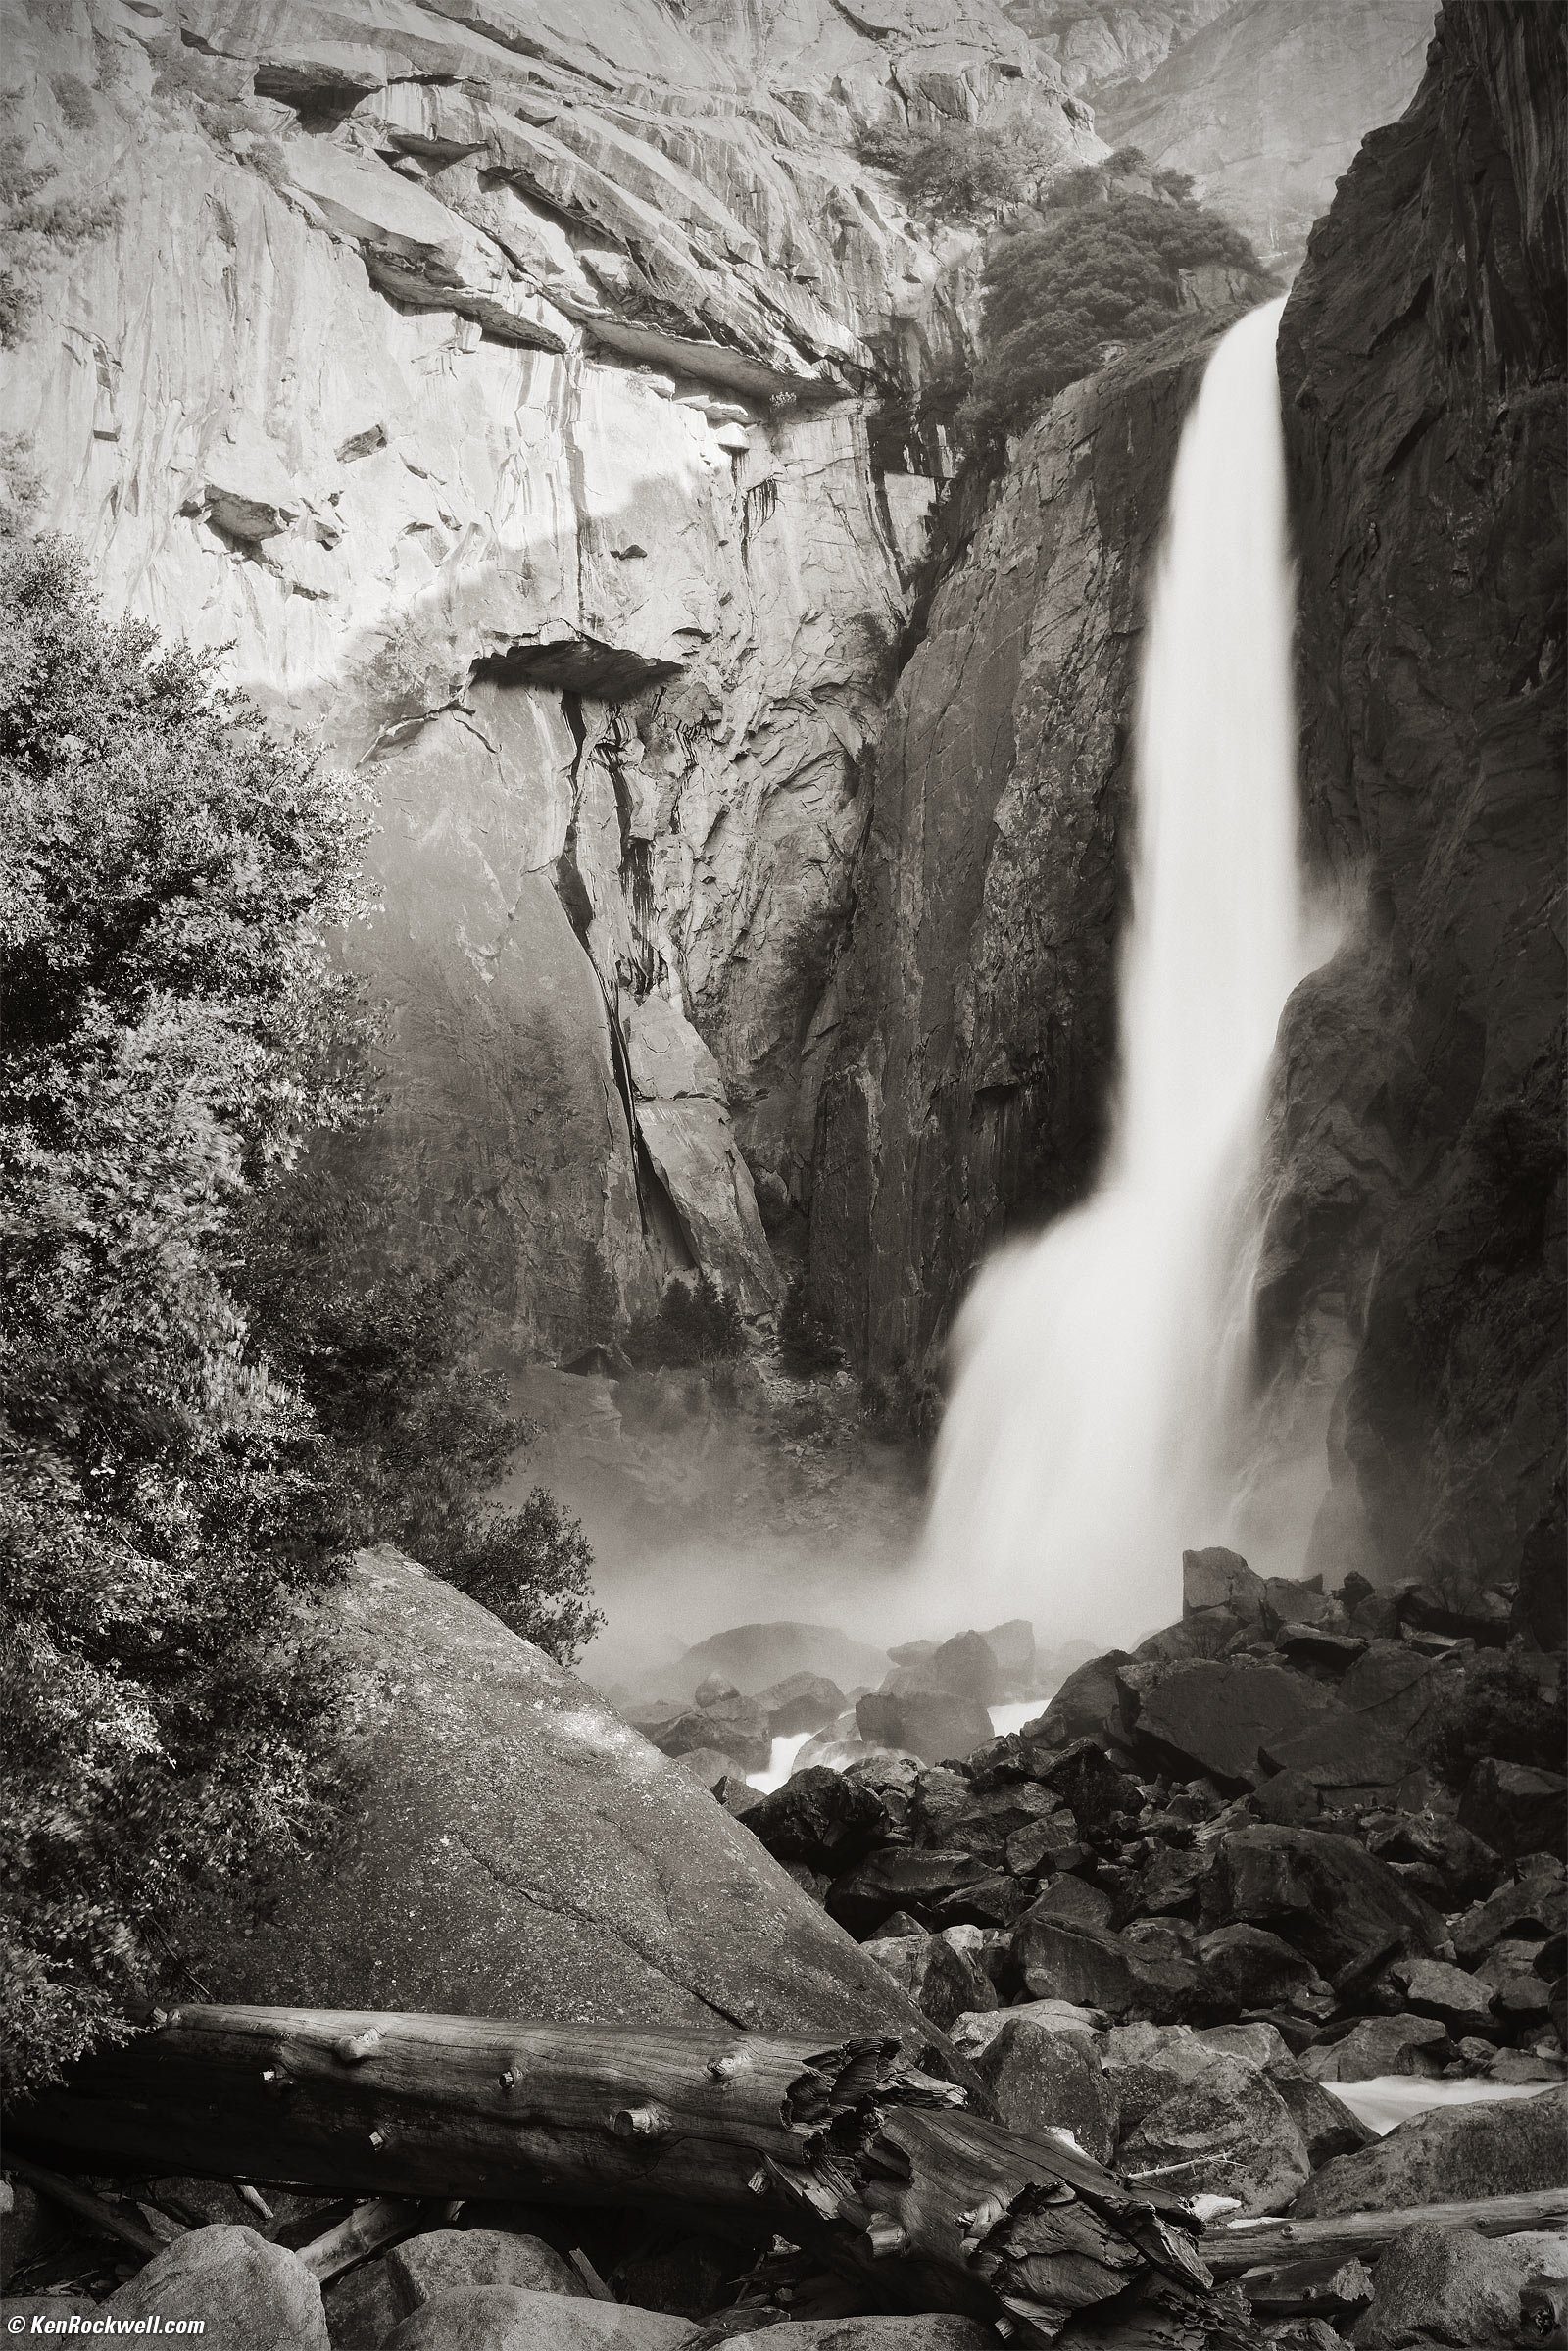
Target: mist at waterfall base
(1100, 1410)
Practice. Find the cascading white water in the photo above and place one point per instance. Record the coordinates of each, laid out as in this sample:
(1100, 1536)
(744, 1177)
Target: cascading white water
(1101, 1366)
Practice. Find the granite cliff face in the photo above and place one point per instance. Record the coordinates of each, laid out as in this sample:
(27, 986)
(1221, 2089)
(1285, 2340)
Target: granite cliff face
(1265, 102)
(496, 381)
(1418, 1239)
(973, 1022)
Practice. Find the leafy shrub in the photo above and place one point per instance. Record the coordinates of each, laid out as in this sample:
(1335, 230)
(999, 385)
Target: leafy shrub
(1098, 267)
(209, 1388)
(695, 1323)
(949, 172)
(381, 1349)
(75, 101)
(38, 230)
(1501, 1710)
(167, 868)
(805, 1339)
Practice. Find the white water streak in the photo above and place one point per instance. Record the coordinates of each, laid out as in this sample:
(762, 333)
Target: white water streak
(1103, 1367)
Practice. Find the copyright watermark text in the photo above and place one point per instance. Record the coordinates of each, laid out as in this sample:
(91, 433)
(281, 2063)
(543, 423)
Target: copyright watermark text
(75, 2325)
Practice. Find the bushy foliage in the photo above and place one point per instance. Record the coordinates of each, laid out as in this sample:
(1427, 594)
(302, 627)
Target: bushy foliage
(695, 1323)
(382, 1350)
(210, 1385)
(950, 171)
(167, 869)
(805, 1341)
(43, 219)
(75, 101)
(1097, 268)
(1500, 1710)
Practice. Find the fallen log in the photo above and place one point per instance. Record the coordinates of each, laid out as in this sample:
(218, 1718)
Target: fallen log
(1237, 2247)
(370, 2228)
(845, 2146)
(85, 2206)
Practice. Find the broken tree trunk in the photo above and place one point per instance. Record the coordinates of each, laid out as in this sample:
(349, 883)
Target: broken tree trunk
(842, 2146)
(1236, 2248)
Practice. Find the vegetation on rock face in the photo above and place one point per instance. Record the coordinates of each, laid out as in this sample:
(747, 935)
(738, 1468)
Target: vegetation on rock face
(1098, 268)
(44, 218)
(805, 1341)
(695, 1323)
(198, 1410)
(381, 1348)
(952, 171)
(1501, 1710)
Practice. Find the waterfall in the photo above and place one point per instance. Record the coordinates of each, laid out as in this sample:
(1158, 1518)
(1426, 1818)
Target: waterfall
(1102, 1366)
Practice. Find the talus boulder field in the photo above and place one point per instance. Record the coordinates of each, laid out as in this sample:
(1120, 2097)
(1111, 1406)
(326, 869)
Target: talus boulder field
(515, 1849)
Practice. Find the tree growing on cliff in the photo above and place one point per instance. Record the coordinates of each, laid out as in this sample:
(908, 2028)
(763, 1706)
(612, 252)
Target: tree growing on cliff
(1096, 270)
(952, 171)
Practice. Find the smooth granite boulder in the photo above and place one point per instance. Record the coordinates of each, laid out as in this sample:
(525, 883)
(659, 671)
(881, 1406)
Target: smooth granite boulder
(515, 1849)
(249, 2295)
(1505, 2148)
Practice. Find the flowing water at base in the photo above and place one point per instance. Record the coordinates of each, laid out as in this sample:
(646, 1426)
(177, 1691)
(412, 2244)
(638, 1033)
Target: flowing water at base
(1103, 1368)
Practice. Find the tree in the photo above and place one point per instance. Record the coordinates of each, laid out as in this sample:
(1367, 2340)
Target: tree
(167, 870)
(1098, 268)
(950, 171)
(216, 1377)
(382, 1350)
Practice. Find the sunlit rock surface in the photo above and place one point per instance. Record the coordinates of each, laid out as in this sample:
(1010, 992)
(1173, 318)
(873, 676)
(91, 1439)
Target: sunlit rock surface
(496, 382)
(1266, 103)
(1416, 1249)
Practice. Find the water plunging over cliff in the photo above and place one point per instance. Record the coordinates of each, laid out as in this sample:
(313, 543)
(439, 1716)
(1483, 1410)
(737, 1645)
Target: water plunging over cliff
(1103, 1367)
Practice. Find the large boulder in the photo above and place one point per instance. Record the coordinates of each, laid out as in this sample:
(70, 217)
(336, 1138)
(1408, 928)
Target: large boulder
(248, 2294)
(801, 1702)
(823, 1818)
(1515, 1810)
(922, 1718)
(1399, 1689)
(1323, 1892)
(943, 1973)
(1379, 2045)
(515, 1849)
(1444, 2285)
(444, 2259)
(1195, 2119)
(508, 2318)
(1086, 1706)
(1043, 2077)
(1214, 1715)
(925, 1881)
(1220, 1579)
(1495, 2148)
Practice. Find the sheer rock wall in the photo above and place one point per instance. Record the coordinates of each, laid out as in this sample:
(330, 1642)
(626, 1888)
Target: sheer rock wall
(1418, 1234)
(495, 380)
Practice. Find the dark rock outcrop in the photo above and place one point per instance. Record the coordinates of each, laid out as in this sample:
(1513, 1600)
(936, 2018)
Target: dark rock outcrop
(972, 1021)
(1419, 1216)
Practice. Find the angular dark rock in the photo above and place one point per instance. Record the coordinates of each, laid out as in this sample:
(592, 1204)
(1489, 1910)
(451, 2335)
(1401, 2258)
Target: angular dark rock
(821, 1817)
(943, 1973)
(1432, 1987)
(1323, 1892)
(1448, 2157)
(1086, 1706)
(1042, 2078)
(1286, 1602)
(1416, 2045)
(966, 1666)
(801, 1702)
(1516, 1810)
(1246, 1967)
(725, 1721)
(1044, 1846)
(1090, 1784)
(1535, 1905)
(1073, 1899)
(1289, 1799)
(1174, 1881)
(908, 1878)
(1340, 1750)
(927, 1722)
(1314, 1649)
(1326, 2124)
(1062, 1959)
(1213, 1716)
(1196, 2120)
(1220, 1579)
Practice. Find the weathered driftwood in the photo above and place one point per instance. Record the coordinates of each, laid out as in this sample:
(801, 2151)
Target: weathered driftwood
(844, 2146)
(1315, 2286)
(86, 2205)
(1231, 2251)
(370, 2228)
